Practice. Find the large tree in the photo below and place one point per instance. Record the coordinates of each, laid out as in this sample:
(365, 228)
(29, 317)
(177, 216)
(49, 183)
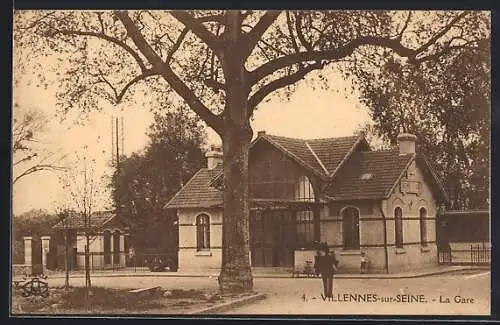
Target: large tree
(145, 181)
(447, 105)
(223, 64)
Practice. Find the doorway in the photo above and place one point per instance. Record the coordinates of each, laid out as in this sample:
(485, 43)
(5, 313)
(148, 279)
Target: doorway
(272, 235)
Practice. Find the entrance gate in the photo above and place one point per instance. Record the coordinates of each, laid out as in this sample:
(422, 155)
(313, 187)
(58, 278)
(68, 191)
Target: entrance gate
(272, 235)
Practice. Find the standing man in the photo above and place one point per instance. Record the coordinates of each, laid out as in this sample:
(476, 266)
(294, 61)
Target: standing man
(326, 263)
(332, 264)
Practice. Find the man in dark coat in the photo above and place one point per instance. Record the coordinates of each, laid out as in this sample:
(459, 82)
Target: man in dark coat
(326, 264)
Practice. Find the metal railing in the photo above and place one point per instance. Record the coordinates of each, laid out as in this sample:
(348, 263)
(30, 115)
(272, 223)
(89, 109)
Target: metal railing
(476, 254)
(154, 262)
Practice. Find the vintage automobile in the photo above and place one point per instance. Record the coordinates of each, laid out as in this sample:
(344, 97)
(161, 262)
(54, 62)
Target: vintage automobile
(157, 261)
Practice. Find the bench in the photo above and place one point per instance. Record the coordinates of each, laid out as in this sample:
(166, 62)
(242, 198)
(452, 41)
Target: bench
(143, 291)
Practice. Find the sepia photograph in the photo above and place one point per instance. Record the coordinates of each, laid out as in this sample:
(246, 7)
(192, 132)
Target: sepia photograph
(250, 162)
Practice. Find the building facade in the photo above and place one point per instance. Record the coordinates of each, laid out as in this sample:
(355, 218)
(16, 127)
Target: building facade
(336, 190)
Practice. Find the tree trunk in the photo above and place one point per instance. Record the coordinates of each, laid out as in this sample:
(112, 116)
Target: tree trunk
(236, 274)
(87, 263)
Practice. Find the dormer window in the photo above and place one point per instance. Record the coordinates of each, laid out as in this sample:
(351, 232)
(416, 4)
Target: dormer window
(366, 176)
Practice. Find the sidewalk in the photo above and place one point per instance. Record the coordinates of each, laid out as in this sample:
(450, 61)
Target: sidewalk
(274, 273)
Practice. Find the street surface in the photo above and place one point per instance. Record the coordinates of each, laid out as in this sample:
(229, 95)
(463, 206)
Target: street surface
(449, 294)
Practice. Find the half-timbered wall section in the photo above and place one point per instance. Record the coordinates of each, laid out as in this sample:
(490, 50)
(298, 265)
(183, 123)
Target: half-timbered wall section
(276, 176)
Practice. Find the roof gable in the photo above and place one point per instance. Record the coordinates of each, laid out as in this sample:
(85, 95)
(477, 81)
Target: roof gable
(332, 152)
(321, 156)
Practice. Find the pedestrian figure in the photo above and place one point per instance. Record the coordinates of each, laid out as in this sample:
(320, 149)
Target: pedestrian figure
(364, 262)
(327, 264)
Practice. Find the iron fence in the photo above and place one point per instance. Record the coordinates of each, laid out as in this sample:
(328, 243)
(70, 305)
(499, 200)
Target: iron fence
(476, 254)
(154, 262)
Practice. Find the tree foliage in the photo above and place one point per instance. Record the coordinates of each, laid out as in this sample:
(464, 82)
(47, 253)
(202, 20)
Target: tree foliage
(446, 103)
(146, 181)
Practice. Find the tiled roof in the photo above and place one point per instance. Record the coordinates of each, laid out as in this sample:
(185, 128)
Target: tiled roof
(332, 151)
(365, 175)
(380, 171)
(317, 154)
(97, 220)
(197, 193)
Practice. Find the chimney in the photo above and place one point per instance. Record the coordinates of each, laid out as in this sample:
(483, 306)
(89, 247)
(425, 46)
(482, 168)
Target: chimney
(406, 142)
(214, 156)
(261, 133)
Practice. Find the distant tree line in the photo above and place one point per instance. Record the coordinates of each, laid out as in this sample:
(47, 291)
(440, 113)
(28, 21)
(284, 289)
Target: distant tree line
(145, 181)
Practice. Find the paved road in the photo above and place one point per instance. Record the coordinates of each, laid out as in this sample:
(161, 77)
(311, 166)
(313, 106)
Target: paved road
(285, 294)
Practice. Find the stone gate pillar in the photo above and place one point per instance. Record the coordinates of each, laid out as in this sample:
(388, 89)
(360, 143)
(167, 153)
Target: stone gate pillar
(28, 254)
(111, 248)
(45, 250)
(122, 250)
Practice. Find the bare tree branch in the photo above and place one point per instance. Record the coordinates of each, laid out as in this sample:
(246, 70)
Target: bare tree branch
(108, 38)
(441, 33)
(176, 46)
(300, 35)
(405, 26)
(334, 54)
(290, 30)
(251, 39)
(198, 29)
(169, 75)
(259, 95)
(37, 168)
(148, 73)
(214, 84)
(28, 157)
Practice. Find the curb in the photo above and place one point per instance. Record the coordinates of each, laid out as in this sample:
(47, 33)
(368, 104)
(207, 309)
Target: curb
(231, 304)
(273, 276)
(408, 276)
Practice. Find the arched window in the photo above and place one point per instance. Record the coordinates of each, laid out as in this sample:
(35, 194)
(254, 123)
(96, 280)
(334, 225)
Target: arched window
(304, 190)
(398, 227)
(350, 224)
(202, 232)
(423, 227)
